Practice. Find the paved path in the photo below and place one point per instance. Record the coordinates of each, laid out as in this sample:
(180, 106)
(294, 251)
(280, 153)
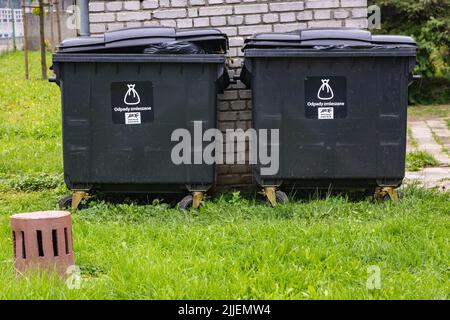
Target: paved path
(432, 136)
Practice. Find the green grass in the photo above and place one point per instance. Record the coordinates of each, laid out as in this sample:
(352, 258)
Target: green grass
(30, 119)
(418, 160)
(234, 247)
(412, 142)
(441, 143)
(435, 111)
(237, 249)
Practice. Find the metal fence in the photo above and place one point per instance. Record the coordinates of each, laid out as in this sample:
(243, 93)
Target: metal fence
(6, 23)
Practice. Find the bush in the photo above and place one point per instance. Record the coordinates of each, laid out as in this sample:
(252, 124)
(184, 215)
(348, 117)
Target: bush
(430, 91)
(428, 22)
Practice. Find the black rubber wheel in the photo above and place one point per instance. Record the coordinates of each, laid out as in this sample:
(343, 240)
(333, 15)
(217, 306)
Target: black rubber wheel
(281, 197)
(66, 202)
(186, 202)
(370, 192)
(385, 198)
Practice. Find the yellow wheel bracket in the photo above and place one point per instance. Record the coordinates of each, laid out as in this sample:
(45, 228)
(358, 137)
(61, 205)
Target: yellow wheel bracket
(77, 197)
(393, 194)
(381, 192)
(270, 194)
(197, 198)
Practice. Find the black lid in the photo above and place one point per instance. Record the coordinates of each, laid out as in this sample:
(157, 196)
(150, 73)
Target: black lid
(210, 38)
(335, 34)
(134, 39)
(387, 39)
(320, 37)
(198, 34)
(81, 42)
(140, 33)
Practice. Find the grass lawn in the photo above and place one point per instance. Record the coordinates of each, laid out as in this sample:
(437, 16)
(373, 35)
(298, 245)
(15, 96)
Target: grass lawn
(418, 160)
(429, 112)
(232, 248)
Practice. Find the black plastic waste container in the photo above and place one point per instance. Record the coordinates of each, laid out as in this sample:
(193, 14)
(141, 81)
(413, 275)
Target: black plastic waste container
(124, 94)
(339, 98)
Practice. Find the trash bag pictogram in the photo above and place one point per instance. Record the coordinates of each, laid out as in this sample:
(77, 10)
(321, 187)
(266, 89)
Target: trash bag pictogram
(325, 92)
(131, 97)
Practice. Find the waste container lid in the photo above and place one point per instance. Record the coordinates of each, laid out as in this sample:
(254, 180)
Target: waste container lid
(337, 37)
(387, 39)
(134, 39)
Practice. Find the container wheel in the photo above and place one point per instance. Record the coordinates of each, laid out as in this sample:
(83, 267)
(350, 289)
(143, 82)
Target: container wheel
(68, 202)
(282, 197)
(65, 203)
(387, 197)
(186, 202)
(388, 194)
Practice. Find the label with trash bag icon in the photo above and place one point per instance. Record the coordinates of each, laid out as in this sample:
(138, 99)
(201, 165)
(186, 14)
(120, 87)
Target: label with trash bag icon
(132, 102)
(325, 97)
(131, 97)
(325, 91)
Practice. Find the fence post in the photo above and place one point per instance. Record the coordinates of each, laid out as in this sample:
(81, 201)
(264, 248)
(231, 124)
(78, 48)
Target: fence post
(58, 21)
(13, 21)
(42, 36)
(52, 22)
(25, 41)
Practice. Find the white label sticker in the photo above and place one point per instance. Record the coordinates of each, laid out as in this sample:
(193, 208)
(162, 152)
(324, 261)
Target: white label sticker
(133, 118)
(325, 113)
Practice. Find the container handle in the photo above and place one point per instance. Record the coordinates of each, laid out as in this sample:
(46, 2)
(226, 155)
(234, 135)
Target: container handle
(413, 78)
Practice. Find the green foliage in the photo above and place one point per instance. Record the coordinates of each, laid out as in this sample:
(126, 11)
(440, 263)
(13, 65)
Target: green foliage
(417, 160)
(428, 22)
(30, 182)
(433, 51)
(36, 10)
(430, 91)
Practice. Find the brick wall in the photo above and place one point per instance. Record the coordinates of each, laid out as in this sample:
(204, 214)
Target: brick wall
(239, 19)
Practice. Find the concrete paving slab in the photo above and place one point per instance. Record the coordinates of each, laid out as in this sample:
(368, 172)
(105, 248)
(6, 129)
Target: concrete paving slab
(431, 178)
(439, 128)
(423, 134)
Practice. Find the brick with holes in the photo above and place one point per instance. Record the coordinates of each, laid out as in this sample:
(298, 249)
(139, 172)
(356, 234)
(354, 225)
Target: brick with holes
(42, 240)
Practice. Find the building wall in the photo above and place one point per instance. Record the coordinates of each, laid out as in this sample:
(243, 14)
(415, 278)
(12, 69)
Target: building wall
(239, 19)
